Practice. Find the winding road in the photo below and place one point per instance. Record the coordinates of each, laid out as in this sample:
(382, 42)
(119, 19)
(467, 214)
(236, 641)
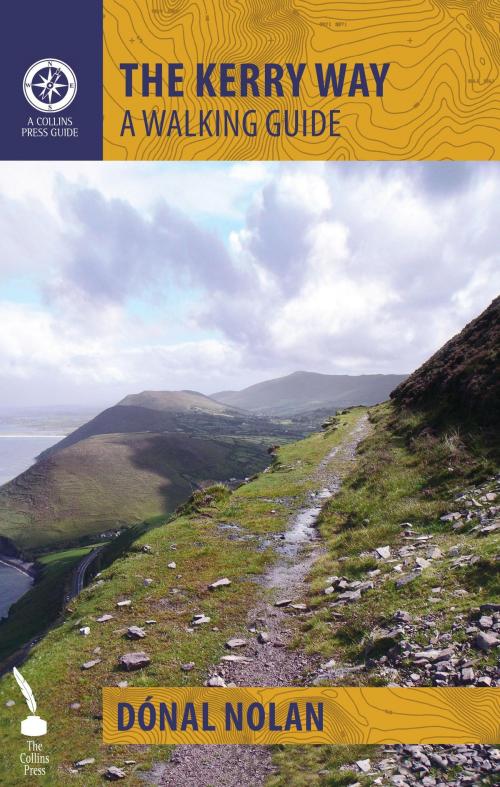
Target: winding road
(78, 579)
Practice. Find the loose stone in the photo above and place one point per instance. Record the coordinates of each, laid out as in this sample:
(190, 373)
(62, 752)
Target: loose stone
(236, 643)
(86, 761)
(216, 681)
(486, 640)
(134, 661)
(113, 774)
(91, 663)
(199, 620)
(220, 583)
(406, 579)
(135, 632)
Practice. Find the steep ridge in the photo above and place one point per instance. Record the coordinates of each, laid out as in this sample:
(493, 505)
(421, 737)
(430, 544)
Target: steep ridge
(171, 411)
(463, 378)
(303, 391)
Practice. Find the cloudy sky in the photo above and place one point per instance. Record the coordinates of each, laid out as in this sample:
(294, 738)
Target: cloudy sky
(115, 278)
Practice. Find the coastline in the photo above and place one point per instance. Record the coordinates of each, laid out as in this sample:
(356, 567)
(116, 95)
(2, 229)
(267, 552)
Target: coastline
(28, 569)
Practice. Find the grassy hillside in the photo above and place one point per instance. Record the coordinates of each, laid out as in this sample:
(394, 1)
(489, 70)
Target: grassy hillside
(176, 401)
(404, 475)
(407, 474)
(303, 391)
(177, 411)
(202, 544)
(108, 481)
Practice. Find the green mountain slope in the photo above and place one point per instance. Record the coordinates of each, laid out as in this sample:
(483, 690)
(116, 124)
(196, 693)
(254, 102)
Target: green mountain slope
(203, 544)
(138, 459)
(393, 480)
(175, 411)
(304, 391)
(108, 481)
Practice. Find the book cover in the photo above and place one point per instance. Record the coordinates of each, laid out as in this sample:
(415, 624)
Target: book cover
(249, 393)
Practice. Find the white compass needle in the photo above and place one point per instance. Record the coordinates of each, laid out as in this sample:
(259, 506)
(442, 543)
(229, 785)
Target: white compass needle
(50, 84)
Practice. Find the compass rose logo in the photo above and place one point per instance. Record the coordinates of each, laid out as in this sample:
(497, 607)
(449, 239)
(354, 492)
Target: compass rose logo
(49, 85)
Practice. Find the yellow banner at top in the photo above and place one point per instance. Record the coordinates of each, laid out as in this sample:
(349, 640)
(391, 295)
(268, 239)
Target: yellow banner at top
(301, 80)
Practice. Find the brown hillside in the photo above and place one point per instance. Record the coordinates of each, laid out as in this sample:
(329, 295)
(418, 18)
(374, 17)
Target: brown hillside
(462, 378)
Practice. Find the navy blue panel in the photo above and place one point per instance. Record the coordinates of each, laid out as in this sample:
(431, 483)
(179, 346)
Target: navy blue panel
(66, 30)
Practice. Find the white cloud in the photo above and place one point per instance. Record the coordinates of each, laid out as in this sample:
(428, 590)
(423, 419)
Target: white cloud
(209, 191)
(216, 276)
(361, 269)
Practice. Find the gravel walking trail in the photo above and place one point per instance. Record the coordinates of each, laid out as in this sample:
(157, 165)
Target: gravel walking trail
(273, 662)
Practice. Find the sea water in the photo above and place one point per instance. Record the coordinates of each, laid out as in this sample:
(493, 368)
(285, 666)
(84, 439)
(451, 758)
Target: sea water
(13, 585)
(17, 453)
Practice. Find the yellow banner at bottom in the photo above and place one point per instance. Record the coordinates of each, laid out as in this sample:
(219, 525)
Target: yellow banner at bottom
(327, 715)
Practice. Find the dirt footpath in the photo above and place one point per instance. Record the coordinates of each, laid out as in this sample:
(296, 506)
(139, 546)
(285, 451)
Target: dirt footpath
(269, 660)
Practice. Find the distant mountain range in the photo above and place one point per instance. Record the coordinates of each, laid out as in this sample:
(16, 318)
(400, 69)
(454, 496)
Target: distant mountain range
(305, 391)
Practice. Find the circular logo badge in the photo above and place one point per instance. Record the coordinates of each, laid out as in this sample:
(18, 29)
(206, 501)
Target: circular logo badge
(49, 85)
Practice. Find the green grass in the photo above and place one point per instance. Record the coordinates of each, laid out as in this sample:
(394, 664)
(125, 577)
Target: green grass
(404, 475)
(203, 554)
(314, 765)
(39, 607)
(399, 479)
(108, 482)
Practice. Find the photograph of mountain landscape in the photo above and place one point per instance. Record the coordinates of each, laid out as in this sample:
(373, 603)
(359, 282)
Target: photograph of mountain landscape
(249, 422)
